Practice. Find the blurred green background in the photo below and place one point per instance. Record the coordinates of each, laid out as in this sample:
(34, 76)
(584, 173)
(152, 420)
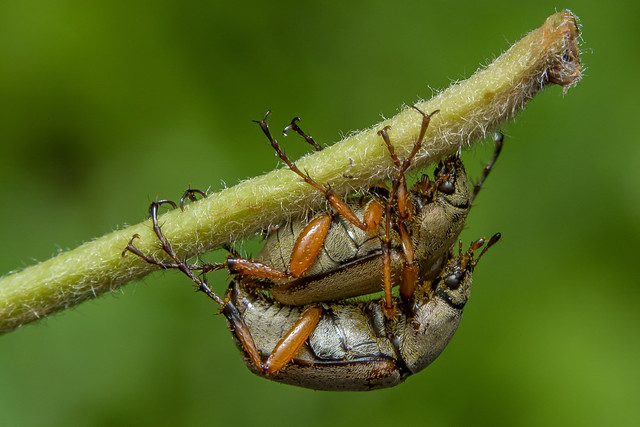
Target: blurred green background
(107, 105)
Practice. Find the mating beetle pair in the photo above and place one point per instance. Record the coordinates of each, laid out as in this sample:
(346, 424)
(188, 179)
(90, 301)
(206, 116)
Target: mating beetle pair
(393, 236)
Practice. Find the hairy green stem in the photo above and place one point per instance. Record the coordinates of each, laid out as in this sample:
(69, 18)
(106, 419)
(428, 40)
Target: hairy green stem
(468, 110)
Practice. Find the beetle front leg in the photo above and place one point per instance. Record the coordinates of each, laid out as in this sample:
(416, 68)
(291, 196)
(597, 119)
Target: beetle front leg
(191, 195)
(242, 332)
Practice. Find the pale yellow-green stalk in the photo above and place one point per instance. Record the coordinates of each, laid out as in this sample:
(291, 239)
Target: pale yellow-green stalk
(468, 110)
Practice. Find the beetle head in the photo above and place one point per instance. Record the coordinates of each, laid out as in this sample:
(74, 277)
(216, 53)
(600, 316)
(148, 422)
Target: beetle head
(450, 184)
(454, 283)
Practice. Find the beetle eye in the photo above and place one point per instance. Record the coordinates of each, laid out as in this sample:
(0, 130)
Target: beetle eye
(452, 282)
(446, 187)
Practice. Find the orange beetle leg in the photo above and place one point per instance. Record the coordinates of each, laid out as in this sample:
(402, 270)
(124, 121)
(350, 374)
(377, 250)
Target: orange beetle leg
(409, 280)
(373, 215)
(305, 251)
(403, 200)
(308, 245)
(292, 341)
(343, 209)
(410, 270)
(388, 307)
(243, 334)
(245, 267)
(399, 183)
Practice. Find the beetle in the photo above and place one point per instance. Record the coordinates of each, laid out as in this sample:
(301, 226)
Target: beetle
(342, 345)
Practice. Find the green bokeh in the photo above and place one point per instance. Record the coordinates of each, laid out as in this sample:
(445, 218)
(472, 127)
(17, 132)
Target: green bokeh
(107, 105)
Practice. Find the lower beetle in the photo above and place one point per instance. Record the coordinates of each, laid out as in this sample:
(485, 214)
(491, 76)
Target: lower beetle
(351, 345)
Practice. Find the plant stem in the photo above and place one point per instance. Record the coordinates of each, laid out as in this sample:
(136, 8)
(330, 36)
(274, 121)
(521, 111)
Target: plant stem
(468, 110)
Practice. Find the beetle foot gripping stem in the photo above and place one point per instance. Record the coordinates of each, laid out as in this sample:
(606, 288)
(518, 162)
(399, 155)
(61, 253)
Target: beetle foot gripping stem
(191, 195)
(177, 263)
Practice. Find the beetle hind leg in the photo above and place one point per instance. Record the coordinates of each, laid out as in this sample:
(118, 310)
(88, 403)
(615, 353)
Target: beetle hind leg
(287, 346)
